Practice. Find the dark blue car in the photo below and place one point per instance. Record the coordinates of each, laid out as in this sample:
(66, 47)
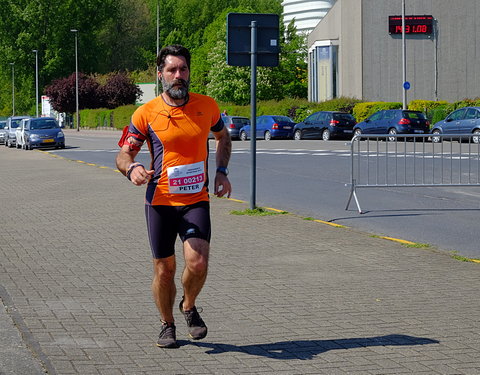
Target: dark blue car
(464, 121)
(43, 132)
(394, 121)
(270, 127)
(325, 125)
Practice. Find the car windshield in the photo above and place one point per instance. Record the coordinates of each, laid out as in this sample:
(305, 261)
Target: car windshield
(15, 124)
(414, 115)
(2, 125)
(343, 116)
(282, 119)
(44, 124)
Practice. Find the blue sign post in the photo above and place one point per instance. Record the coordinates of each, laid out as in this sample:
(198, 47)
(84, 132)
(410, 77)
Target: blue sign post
(406, 85)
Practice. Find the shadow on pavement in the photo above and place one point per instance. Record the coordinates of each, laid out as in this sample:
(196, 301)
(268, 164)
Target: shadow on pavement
(307, 349)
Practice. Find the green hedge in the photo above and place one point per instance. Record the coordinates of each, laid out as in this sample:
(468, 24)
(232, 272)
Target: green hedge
(297, 109)
(362, 110)
(121, 116)
(110, 118)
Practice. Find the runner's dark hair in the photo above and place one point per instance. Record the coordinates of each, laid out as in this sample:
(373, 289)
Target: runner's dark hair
(174, 50)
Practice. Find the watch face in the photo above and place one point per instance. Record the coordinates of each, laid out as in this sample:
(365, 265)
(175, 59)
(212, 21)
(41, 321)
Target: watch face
(223, 170)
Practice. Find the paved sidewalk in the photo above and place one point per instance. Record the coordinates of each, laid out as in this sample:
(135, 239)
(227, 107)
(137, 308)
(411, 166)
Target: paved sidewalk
(283, 296)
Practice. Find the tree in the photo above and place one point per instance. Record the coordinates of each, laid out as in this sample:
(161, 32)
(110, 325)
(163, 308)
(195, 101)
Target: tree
(232, 84)
(118, 90)
(62, 93)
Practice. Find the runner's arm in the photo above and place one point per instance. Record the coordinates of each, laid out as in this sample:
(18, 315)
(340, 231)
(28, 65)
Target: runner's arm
(125, 161)
(223, 151)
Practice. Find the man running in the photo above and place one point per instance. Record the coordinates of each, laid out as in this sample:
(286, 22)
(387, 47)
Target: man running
(176, 126)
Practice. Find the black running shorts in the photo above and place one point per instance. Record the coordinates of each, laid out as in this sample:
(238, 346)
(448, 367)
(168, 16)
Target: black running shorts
(165, 222)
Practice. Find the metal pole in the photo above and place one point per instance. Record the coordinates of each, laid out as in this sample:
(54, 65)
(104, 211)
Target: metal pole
(404, 55)
(13, 88)
(158, 50)
(253, 111)
(76, 79)
(36, 81)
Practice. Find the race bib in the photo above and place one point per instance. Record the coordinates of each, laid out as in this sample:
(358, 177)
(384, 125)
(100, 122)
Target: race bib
(186, 179)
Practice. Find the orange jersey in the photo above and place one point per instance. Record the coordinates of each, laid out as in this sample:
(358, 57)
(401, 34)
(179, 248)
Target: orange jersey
(177, 138)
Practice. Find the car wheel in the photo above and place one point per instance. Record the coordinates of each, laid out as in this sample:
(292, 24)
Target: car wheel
(476, 136)
(267, 136)
(436, 136)
(357, 133)
(392, 131)
(326, 135)
(243, 136)
(297, 135)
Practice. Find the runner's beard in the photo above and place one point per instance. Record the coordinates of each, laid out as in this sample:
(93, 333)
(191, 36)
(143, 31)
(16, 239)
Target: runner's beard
(176, 92)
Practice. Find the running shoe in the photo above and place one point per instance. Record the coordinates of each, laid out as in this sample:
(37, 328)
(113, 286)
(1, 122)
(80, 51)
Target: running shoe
(196, 326)
(167, 337)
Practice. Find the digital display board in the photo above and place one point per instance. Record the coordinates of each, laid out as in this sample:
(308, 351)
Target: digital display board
(413, 24)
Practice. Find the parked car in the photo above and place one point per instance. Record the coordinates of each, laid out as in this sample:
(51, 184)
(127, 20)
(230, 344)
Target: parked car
(269, 127)
(394, 121)
(3, 124)
(20, 134)
(234, 124)
(462, 121)
(43, 132)
(325, 125)
(12, 125)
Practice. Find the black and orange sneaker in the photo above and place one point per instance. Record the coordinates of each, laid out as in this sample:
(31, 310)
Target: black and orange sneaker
(167, 337)
(197, 329)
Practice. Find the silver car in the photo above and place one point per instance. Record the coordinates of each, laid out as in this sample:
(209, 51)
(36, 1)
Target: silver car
(3, 124)
(11, 128)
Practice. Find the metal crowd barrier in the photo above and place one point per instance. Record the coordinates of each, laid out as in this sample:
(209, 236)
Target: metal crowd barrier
(379, 161)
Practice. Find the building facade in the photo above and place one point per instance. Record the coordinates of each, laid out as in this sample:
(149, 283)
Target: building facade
(306, 13)
(354, 53)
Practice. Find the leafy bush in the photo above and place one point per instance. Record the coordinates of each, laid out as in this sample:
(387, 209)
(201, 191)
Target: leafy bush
(63, 96)
(425, 105)
(121, 116)
(118, 90)
(463, 103)
(93, 118)
(362, 110)
(296, 109)
(437, 114)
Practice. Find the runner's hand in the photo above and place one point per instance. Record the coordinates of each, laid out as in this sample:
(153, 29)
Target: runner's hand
(222, 185)
(140, 175)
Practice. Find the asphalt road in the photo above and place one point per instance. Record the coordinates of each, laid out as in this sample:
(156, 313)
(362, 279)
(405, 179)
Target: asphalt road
(308, 178)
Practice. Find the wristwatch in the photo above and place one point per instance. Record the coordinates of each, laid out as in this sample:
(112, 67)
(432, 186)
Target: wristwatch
(223, 170)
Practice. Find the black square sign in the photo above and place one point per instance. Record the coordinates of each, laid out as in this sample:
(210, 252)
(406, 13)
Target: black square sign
(239, 39)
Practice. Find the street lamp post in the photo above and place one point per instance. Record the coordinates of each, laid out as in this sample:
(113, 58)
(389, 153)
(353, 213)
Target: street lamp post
(13, 88)
(75, 31)
(36, 80)
(404, 58)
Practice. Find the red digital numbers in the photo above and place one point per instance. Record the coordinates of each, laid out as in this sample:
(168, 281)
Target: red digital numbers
(413, 24)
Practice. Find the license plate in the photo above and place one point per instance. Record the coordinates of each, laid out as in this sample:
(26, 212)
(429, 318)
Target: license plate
(418, 131)
(48, 140)
(348, 131)
(287, 127)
